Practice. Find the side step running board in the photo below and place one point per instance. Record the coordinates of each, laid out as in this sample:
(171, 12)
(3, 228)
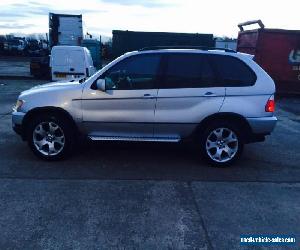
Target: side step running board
(137, 139)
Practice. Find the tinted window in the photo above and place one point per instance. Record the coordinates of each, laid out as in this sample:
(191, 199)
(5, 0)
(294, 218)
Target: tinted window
(136, 72)
(188, 71)
(232, 71)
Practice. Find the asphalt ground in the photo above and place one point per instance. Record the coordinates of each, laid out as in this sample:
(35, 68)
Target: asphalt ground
(14, 66)
(147, 195)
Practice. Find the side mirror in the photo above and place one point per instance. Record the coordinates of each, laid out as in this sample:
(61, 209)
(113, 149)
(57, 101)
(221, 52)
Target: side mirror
(101, 84)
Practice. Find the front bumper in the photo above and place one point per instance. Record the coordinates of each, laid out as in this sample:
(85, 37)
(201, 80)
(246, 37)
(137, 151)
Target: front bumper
(262, 125)
(17, 121)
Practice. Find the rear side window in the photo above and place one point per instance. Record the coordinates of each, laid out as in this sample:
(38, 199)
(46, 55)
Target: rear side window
(232, 72)
(188, 71)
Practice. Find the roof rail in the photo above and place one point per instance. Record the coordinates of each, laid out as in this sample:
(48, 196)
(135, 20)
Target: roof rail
(186, 47)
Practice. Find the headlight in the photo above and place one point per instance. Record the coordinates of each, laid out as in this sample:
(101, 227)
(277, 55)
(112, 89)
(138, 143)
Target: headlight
(18, 105)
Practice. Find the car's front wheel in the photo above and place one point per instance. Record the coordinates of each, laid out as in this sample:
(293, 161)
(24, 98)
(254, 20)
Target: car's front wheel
(50, 137)
(221, 143)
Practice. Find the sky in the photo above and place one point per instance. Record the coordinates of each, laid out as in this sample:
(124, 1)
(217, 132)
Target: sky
(219, 17)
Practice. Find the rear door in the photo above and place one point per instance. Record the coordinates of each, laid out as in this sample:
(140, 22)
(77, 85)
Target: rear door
(59, 64)
(77, 63)
(68, 63)
(188, 93)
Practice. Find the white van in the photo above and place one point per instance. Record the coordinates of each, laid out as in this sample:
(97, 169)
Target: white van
(71, 63)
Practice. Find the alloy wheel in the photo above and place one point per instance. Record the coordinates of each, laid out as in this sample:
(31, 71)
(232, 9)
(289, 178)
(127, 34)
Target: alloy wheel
(222, 145)
(48, 138)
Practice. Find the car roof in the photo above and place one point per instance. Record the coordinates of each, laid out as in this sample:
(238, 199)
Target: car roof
(187, 47)
(191, 50)
(67, 47)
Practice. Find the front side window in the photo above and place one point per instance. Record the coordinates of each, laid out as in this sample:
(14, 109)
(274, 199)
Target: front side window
(188, 71)
(232, 72)
(135, 72)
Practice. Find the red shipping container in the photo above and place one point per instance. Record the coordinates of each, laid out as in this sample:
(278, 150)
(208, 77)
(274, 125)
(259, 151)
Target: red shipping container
(277, 51)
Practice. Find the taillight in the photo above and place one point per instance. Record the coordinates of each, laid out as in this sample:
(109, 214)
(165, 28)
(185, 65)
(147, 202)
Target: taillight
(270, 105)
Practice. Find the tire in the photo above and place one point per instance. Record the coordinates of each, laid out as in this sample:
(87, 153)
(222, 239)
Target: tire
(221, 143)
(50, 137)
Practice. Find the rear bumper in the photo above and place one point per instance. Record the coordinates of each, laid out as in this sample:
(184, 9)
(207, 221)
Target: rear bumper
(262, 125)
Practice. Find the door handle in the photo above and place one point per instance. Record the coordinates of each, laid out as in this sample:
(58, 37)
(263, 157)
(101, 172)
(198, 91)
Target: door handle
(148, 96)
(210, 94)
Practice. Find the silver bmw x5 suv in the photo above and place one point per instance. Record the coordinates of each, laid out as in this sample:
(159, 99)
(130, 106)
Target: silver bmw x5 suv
(219, 98)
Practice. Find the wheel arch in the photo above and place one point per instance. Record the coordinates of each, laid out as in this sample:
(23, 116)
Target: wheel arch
(226, 116)
(47, 110)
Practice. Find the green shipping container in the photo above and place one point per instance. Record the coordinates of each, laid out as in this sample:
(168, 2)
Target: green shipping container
(124, 41)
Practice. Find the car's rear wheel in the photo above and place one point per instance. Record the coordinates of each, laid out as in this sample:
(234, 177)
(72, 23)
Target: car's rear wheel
(221, 143)
(50, 137)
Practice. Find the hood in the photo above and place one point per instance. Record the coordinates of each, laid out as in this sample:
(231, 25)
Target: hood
(56, 84)
(52, 86)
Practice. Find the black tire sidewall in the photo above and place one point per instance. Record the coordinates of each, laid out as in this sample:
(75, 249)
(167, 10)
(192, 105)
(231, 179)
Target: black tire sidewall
(66, 127)
(221, 124)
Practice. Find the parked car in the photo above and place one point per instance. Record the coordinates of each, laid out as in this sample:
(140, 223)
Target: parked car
(219, 98)
(71, 62)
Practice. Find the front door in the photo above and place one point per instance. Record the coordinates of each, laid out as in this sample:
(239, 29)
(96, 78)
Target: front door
(126, 108)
